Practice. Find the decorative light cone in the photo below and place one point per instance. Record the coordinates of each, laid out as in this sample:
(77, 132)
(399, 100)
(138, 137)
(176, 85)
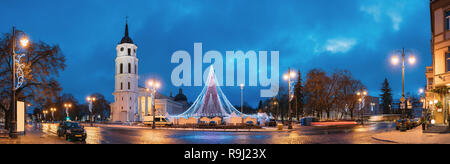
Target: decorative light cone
(211, 101)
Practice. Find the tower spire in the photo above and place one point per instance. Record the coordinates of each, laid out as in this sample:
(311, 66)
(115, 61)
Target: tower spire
(126, 38)
(126, 26)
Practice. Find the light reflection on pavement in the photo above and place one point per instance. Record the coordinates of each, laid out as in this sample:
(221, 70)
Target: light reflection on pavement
(347, 134)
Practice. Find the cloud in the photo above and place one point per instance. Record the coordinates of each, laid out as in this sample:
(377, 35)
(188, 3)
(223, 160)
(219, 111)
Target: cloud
(340, 45)
(392, 11)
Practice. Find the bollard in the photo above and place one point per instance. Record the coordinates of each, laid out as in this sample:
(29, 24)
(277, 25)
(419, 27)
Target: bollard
(280, 126)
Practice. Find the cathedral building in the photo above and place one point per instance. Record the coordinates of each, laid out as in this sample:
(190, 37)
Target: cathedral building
(132, 102)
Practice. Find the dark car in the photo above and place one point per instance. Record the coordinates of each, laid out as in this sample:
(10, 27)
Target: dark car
(212, 123)
(272, 123)
(407, 123)
(71, 130)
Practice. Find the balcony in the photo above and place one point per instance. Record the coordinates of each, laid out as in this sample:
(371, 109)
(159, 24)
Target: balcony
(442, 79)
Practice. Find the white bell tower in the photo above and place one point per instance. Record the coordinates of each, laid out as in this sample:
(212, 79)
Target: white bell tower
(125, 93)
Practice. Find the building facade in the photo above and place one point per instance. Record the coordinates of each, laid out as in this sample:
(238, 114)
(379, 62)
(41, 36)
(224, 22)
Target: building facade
(437, 95)
(132, 102)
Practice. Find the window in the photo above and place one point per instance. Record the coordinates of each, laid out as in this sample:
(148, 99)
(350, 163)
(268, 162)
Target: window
(129, 52)
(447, 20)
(447, 61)
(128, 85)
(121, 49)
(135, 69)
(121, 86)
(129, 67)
(121, 68)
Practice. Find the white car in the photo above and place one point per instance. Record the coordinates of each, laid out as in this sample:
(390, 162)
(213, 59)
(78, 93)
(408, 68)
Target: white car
(159, 121)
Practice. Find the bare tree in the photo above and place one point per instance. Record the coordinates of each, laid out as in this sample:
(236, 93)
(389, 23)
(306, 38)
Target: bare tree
(42, 63)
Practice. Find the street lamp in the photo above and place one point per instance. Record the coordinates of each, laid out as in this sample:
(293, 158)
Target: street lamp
(91, 100)
(154, 85)
(288, 77)
(361, 98)
(24, 43)
(53, 115)
(45, 115)
(394, 61)
(67, 106)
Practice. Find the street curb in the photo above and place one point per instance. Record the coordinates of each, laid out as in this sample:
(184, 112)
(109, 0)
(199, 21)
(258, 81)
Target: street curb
(383, 140)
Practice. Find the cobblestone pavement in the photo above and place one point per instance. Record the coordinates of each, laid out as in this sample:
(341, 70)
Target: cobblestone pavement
(348, 134)
(33, 135)
(414, 136)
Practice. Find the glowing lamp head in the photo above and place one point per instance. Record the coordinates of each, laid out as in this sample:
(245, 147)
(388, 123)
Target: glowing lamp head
(93, 99)
(395, 60)
(358, 93)
(412, 59)
(292, 74)
(285, 77)
(365, 93)
(150, 83)
(24, 42)
(157, 85)
(360, 99)
(420, 90)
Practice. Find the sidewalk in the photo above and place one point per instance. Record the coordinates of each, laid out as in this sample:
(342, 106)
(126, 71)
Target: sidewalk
(32, 136)
(414, 136)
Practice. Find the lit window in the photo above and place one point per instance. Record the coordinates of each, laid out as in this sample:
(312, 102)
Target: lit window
(447, 20)
(447, 61)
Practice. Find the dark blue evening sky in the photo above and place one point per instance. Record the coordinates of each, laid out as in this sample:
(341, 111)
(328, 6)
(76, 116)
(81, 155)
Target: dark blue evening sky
(355, 35)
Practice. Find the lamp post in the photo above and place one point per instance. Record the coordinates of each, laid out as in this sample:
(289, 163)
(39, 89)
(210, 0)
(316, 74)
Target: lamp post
(13, 123)
(361, 94)
(91, 100)
(288, 77)
(45, 115)
(242, 103)
(154, 85)
(67, 106)
(394, 61)
(53, 115)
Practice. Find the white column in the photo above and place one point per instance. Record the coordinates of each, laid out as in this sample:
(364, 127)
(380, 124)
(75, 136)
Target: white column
(146, 105)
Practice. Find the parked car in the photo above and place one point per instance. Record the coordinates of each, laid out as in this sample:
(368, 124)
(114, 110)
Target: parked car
(272, 123)
(408, 124)
(71, 130)
(212, 123)
(249, 123)
(159, 121)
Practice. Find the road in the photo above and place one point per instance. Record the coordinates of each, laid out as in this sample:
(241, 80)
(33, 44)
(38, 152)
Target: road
(348, 134)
